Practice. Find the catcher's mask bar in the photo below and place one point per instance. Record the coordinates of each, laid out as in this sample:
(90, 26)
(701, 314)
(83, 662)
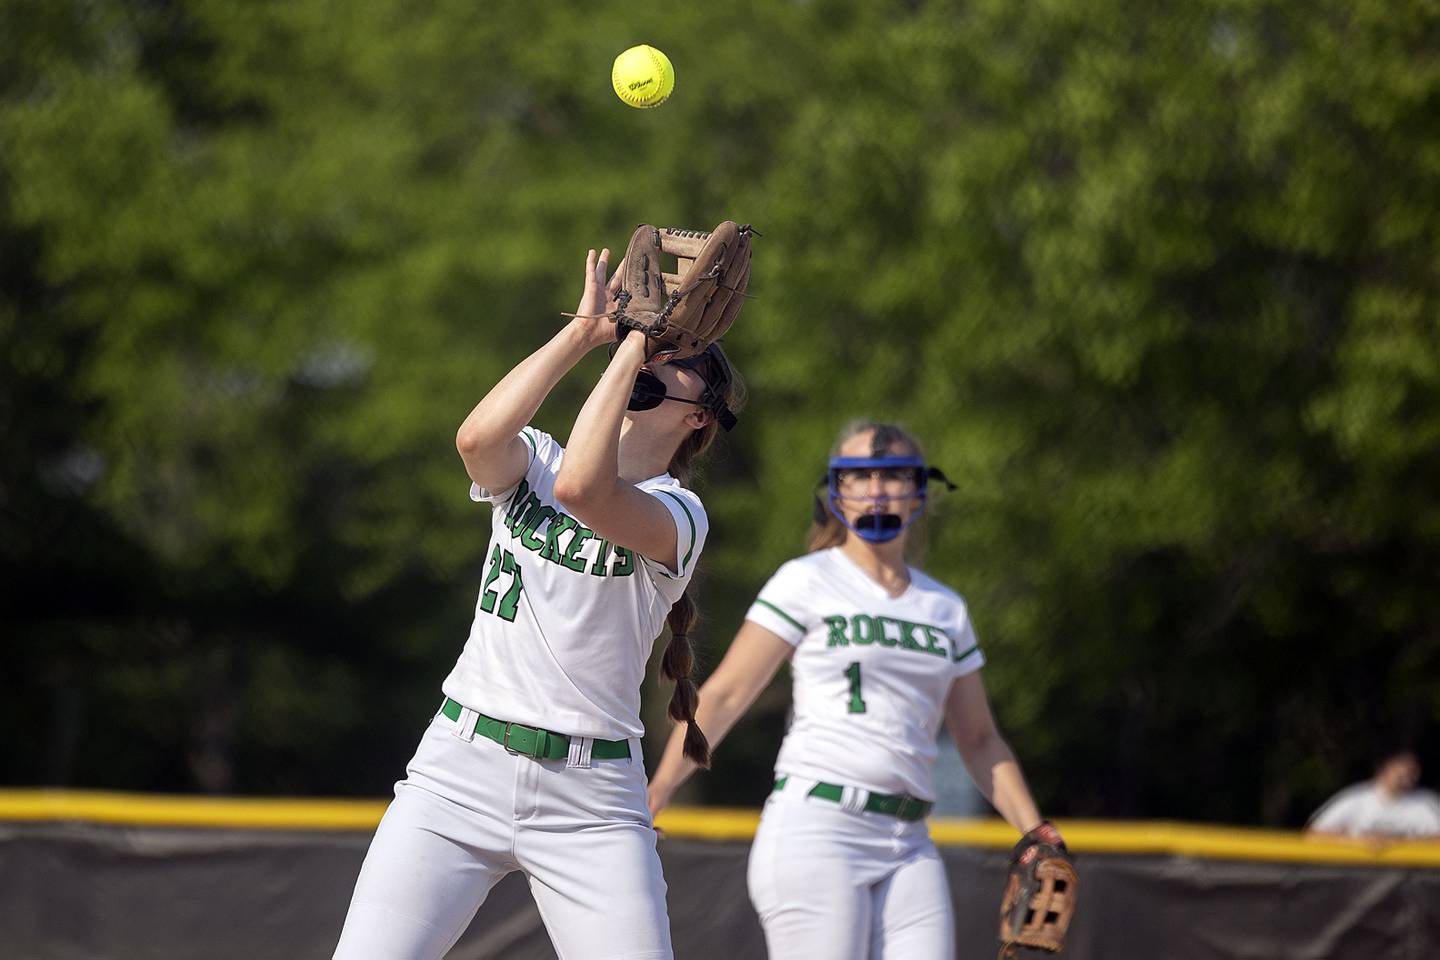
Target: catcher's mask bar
(877, 527)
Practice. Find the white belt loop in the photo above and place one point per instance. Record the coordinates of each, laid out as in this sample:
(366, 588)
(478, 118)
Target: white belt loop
(852, 799)
(580, 748)
(465, 726)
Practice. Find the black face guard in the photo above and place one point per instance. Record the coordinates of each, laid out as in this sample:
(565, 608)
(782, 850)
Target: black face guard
(649, 392)
(710, 366)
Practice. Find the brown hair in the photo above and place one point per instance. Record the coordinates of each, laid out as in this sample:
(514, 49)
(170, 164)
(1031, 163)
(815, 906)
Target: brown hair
(826, 530)
(678, 660)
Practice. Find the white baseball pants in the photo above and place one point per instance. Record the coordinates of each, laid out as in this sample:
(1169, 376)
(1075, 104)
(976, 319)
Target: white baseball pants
(833, 882)
(468, 812)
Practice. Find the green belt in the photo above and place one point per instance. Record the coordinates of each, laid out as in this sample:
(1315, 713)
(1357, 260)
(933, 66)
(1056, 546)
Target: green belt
(902, 808)
(532, 741)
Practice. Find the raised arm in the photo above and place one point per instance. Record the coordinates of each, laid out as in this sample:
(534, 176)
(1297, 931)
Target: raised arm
(748, 667)
(589, 483)
(488, 441)
(987, 756)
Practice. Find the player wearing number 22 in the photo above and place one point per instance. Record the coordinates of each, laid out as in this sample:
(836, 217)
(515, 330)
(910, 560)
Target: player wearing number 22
(533, 763)
(843, 865)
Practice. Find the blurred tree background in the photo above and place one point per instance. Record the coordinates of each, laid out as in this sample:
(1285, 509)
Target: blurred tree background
(1158, 285)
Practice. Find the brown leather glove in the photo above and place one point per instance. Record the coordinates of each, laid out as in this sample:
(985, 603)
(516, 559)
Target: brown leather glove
(1039, 900)
(682, 313)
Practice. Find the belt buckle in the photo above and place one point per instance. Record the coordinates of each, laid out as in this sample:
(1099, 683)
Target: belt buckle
(530, 741)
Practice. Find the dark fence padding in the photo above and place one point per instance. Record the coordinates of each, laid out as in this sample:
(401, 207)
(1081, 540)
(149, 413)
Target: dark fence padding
(129, 893)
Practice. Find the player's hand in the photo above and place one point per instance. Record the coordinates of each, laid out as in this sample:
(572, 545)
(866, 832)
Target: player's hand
(597, 301)
(658, 799)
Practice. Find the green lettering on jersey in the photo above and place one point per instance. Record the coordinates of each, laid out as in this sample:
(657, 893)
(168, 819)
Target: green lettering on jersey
(857, 702)
(572, 559)
(624, 564)
(882, 631)
(532, 523)
(503, 561)
(510, 603)
(487, 595)
(602, 556)
(557, 528)
(521, 514)
(517, 499)
(864, 629)
(907, 635)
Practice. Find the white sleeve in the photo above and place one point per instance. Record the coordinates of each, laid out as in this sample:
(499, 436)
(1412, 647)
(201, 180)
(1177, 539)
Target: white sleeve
(691, 528)
(1432, 809)
(542, 451)
(965, 655)
(782, 606)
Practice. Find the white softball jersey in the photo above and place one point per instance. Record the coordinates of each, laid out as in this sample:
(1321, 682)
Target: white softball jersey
(566, 620)
(871, 671)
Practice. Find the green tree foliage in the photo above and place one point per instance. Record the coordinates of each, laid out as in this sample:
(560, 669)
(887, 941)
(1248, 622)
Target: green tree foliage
(1157, 287)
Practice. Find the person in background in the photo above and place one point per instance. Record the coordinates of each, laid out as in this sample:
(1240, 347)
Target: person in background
(1389, 807)
(881, 654)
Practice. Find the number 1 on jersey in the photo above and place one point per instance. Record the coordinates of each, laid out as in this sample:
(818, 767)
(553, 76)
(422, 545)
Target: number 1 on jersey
(857, 704)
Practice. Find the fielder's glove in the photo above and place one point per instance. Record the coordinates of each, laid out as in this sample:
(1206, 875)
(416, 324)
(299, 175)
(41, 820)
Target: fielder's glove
(1039, 900)
(684, 312)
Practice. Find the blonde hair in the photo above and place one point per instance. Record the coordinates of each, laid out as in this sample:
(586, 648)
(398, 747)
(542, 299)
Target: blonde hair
(826, 530)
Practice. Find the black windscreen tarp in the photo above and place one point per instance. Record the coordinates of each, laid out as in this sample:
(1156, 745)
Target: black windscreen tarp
(88, 891)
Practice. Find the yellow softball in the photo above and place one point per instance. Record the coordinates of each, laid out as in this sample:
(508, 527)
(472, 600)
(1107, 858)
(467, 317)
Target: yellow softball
(643, 77)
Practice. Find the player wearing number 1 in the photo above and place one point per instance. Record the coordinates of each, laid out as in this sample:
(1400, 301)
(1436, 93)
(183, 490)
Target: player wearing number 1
(532, 763)
(843, 865)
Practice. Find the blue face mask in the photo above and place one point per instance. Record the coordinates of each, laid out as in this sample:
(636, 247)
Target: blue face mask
(879, 527)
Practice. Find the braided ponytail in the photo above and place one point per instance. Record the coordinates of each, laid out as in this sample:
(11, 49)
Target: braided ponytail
(676, 664)
(678, 660)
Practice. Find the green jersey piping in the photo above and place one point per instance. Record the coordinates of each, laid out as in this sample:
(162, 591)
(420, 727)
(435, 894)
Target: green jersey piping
(691, 552)
(796, 623)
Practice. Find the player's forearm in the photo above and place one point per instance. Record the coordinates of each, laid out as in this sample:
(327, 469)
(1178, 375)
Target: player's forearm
(591, 465)
(674, 769)
(511, 403)
(993, 767)
(720, 708)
